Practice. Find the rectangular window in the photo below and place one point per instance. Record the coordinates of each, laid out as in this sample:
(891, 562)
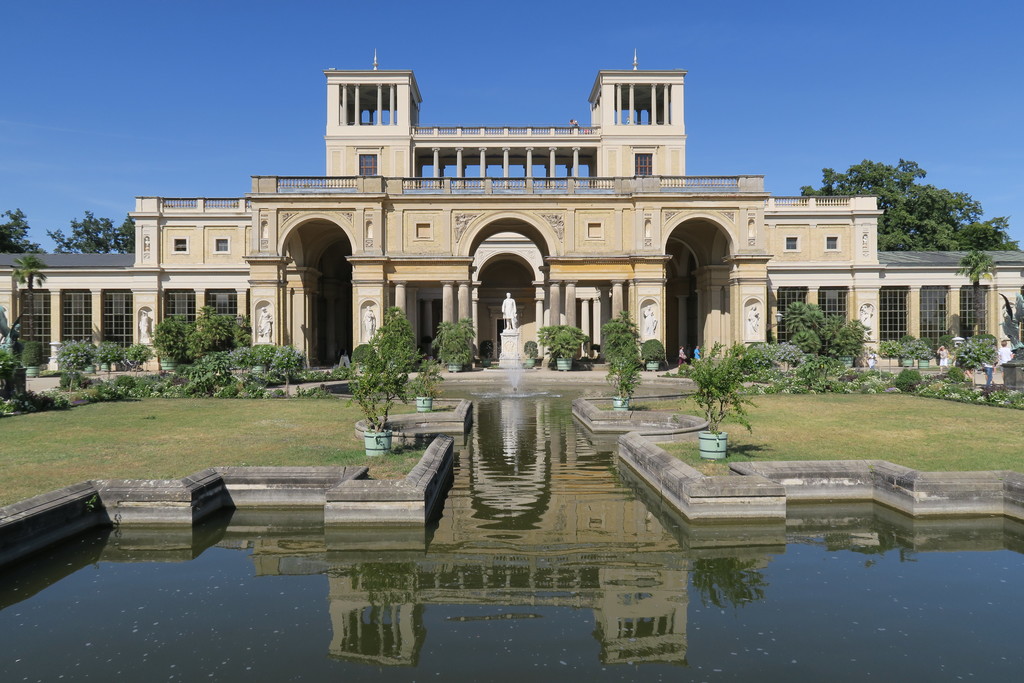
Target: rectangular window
(831, 243)
(968, 313)
(784, 297)
(933, 313)
(792, 243)
(222, 245)
(39, 328)
(367, 164)
(76, 316)
(180, 245)
(117, 318)
(595, 231)
(180, 302)
(423, 231)
(225, 301)
(644, 164)
(892, 313)
(832, 301)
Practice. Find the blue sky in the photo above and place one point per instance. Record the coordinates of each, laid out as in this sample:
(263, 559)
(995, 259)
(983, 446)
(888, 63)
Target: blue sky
(104, 101)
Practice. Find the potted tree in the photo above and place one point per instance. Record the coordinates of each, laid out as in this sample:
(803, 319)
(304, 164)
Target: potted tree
(486, 353)
(137, 355)
(109, 354)
(531, 351)
(426, 386)
(919, 350)
(170, 339)
(653, 353)
(620, 337)
(32, 358)
(452, 343)
(907, 346)
(74, 358)
(890, 348)
(719, 378)
(563, 343)
(384, 378)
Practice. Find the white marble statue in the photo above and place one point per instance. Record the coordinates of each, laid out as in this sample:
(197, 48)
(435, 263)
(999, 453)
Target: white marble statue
(650, 321)
(509, 313)
(145, 327)
(265, 326)
(369, 322)
(753, 321)
(867, 315)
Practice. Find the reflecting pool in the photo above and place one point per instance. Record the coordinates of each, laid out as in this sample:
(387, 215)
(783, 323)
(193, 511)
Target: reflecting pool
(547, 564)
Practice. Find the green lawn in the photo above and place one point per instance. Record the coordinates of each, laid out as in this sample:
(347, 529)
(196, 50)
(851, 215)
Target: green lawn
(169, 438)
(915, 432)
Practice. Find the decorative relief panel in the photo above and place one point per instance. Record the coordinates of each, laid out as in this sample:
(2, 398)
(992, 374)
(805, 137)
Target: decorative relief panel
(462, 221)
(557, 222)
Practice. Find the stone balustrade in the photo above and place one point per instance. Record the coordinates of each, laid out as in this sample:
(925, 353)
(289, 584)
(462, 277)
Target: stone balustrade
(505, 131)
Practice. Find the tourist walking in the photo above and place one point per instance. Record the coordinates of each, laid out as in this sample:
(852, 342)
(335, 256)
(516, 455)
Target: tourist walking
(682, 356)
(696, 353)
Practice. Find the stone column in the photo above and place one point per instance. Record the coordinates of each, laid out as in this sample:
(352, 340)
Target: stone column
(458, 162)
(667, 109)
(585, 326)
(654, 104)
(400, 296)
(394, 105)
(914, 310)
(551, 161)
(632, 106)
(464, 300)
(504, 162)
(617, 286)
(344, 105)
(570, 303)
(200, 300)
(57, 316)
(555, 303)
(483, 162)
(529, 162)
(437, 162)
(380, 104)
(448, 302)
(597, 318)
(474, 295)
(359, 112)
(575, 162)
(538, 305)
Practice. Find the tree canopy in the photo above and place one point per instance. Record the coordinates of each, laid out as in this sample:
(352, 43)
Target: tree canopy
(918, 217)
(14, 234)
(93, 235)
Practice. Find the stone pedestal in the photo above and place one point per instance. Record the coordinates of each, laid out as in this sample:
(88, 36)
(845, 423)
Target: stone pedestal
(1013, 375)
(510, 355)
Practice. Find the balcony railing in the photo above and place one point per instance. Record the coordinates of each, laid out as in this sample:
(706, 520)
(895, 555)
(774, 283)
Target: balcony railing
(518, 185)
(865, 202)
(505, 131)
(203, 204)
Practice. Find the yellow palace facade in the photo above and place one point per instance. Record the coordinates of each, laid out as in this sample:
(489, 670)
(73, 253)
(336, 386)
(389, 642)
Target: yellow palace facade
(577, 221)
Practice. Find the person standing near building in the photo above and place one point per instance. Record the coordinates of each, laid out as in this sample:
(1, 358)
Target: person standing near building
(943, 358)
(696, 353)
(1005, 354)
(682, 356)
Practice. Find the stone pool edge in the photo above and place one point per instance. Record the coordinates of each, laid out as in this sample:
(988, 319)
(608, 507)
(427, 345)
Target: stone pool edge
(346, 496)
(762, 491)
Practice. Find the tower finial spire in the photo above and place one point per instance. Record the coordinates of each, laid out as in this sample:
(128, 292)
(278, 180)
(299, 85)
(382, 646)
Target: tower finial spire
(634, 59)
(375, 59)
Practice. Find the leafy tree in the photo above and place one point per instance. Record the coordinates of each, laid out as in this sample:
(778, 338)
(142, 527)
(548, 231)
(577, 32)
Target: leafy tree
(93, 235)
(28, 270)
(719, 376)
(917, 216)
(211, 332)
(827, 335)
(976, 265)
(384, 371)
(621, 338)
(14, 234)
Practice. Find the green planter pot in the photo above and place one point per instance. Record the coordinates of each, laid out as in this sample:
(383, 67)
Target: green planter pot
(454, 367)
(89, 369)
(563, 364)
(259, 369)
(619, 403)
(529, 363)
(653, 365)
(485, 362)
(923, 363)
(104, 367)
(847, 361)
(168, 365)
(424, 404)
(907, 362)
(32, 371)
(377, 443)
(712, 446)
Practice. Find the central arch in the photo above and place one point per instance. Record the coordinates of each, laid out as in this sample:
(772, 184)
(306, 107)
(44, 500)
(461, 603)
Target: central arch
(697, 284)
